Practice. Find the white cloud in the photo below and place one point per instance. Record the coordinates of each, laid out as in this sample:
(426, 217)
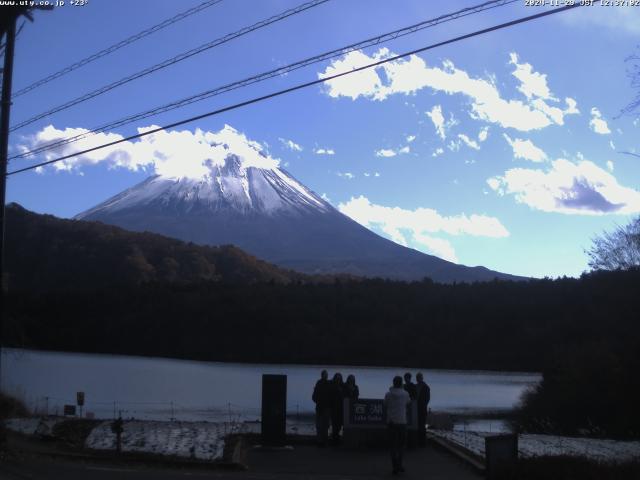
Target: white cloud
(483, 134)
(526, 149)
(410, 138)
(347, 175)
(470, 143)
(385, 152)
(324, 151)
(570, 188)
(366, 174)
(325, 197)
(437, 246)
(402, 225)
(494, 183)
(532, 84)
(409, 76)
(441, 126)
(170, 153)
(437, 152)
(376, 174)
(388, 152)
(610, 165)
(454, 145)
(612, 145)
(291, 145)
(597, 123)
(363, 83)
(438, 120)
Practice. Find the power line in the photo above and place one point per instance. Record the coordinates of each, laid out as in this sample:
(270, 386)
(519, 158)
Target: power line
(117, 46)
(271, 74)
(173, 60)
(301, 86)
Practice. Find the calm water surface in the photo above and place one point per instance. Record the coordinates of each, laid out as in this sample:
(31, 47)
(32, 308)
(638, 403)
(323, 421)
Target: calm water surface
(157, 388)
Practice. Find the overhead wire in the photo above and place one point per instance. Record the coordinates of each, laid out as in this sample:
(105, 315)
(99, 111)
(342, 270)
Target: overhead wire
(302, 86)
(116, 46)
(171, 61)
(377, 40)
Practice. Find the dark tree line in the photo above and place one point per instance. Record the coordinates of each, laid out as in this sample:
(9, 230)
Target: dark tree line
(496, 325)
(46, 253)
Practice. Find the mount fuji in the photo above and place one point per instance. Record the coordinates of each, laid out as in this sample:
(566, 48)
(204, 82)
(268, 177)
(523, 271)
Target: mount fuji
(265, 211)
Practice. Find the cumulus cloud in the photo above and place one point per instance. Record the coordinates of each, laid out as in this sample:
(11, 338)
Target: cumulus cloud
(437, 246)
(408, 76)
(437, 152)
(388, 152)
(532, 84)
(363, 83)
(438, 120)
(597, 123)
(525, 149)
(610, 165)
(404, 226)
(567, 187)
(324, 151)
(290, 144)
(410, 138)
(469, 142)
(175, 153)
(483, 134)
(441, 126)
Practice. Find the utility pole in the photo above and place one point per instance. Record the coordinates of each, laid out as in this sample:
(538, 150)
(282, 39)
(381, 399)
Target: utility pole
(8, 31)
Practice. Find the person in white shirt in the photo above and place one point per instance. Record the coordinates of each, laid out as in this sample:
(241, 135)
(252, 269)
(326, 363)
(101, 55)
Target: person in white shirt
(395, 403)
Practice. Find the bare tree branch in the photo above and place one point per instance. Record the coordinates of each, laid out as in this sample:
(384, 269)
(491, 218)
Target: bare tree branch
(616, 250)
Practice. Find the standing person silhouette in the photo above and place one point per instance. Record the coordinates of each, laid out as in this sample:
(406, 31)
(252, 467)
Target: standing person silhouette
(423, 399)
(337, 406)
(412, 390)
(395, 404)
(322, 398)
(351, 390)
(410, 387)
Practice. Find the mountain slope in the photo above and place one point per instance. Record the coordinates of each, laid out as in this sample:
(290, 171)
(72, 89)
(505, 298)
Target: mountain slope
(49, 253)
(268, 213)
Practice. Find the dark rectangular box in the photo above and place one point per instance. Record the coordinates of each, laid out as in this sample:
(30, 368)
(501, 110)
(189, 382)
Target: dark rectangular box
(274, 409)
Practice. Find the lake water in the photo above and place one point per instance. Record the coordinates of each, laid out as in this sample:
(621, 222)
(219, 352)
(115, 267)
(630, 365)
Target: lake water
(158, 388)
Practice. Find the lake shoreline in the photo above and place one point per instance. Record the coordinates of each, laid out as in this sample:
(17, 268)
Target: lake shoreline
(320, 366)
(191, 390)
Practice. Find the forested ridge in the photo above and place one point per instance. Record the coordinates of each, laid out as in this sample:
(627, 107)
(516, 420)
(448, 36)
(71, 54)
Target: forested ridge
(45, 253)
(496, 325)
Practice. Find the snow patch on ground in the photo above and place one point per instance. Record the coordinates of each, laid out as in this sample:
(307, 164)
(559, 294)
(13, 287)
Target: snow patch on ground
(530, 445)
(197, 440)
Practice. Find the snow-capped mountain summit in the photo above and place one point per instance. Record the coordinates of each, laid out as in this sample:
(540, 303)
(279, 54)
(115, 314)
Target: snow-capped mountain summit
(236, 194)
(228, 188)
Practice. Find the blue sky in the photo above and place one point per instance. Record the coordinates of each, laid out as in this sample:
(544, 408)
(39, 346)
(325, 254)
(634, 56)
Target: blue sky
(504, 150)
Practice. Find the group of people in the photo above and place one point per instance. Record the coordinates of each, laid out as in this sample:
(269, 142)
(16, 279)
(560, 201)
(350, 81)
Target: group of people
(329, 396)
(396, 401)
